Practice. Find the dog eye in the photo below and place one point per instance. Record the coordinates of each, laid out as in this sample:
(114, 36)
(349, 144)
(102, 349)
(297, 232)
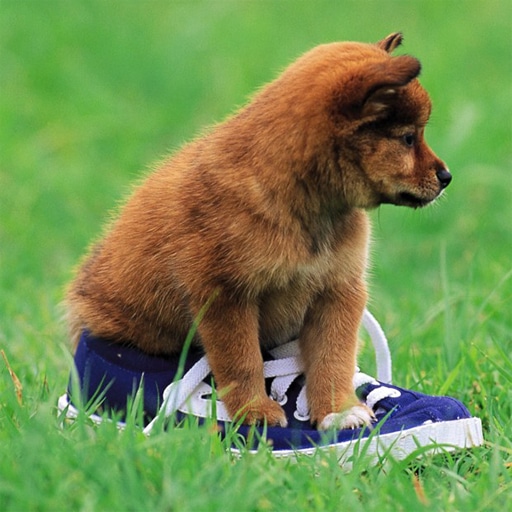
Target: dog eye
(409, 139)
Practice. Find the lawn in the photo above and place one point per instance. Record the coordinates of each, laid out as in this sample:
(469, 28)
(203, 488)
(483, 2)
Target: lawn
(93, 93)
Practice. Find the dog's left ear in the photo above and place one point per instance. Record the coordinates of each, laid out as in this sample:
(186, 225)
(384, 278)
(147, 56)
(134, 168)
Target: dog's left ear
(369, 91)
(392, 75)
(384, 82)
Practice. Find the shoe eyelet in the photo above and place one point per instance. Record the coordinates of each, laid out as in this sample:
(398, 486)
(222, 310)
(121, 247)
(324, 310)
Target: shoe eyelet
(281, 400)
(299, 417)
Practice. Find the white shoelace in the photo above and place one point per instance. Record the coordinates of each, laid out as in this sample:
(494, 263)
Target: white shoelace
(188, 393)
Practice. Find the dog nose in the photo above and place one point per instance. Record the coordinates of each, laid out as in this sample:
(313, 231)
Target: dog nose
(444, 177)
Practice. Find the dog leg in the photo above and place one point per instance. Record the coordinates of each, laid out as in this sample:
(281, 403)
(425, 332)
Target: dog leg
(329, 347)
(229, 334)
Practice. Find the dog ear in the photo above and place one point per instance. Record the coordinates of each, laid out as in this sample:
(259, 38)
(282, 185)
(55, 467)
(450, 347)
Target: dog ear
(391, 42)
(385, 81)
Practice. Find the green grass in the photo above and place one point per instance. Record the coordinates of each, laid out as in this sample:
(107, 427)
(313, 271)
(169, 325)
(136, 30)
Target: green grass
(93, 93)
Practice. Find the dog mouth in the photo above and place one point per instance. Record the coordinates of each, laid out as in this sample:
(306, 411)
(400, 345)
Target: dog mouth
(412, 200)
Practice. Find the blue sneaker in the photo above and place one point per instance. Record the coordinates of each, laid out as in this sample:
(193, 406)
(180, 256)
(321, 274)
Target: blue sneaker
(405, 421)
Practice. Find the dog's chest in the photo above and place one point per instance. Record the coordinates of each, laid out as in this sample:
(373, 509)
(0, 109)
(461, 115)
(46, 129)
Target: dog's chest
(293, 288)
(282, 307)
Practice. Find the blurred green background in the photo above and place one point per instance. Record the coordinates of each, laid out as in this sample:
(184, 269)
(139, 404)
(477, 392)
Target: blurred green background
(95, 93)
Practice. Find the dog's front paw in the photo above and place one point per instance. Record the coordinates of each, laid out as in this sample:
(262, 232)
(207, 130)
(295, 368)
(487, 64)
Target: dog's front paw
(261, 411)
(355, 417)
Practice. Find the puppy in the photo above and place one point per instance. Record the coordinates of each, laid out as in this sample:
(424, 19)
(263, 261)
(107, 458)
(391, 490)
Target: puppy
(260, 228)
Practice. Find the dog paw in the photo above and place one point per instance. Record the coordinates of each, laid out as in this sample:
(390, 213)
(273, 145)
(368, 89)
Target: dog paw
(263, 411)
(355, 417)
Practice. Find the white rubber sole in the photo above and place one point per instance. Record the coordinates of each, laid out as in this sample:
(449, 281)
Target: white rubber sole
(64, 406)
(444, 436)
(431, 438)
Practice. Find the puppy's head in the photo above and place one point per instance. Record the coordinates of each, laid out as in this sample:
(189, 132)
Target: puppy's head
(379, 112)
(359, 114)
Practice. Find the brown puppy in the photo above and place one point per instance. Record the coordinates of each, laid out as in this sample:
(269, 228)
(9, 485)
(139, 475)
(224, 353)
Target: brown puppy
(263, 220)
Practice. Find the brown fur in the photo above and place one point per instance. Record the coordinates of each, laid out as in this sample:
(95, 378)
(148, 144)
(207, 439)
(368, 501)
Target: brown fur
(264, 218)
